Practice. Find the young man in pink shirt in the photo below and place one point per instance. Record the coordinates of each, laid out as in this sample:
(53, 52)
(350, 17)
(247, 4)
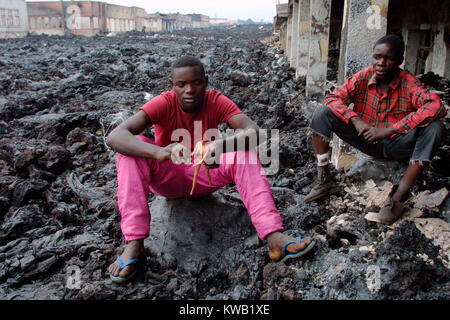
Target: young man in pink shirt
(164, 166)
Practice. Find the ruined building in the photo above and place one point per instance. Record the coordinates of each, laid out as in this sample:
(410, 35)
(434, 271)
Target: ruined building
(18, 17)
(311, 31)
(13, 18)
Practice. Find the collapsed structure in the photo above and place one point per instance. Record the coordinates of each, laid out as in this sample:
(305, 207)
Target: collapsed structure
(311, 30)
(18, 17)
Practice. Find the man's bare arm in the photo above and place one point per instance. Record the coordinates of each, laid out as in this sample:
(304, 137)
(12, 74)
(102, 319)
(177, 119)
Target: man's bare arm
(247, 138)
(122, 139)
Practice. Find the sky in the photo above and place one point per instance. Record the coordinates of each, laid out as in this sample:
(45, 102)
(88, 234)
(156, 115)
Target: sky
(256, 10)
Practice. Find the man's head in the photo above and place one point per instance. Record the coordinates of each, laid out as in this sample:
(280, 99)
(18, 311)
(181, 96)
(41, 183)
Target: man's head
(189, 82)
(387, 56)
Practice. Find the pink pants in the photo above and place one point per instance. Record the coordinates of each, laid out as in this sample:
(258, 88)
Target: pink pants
(138, 176)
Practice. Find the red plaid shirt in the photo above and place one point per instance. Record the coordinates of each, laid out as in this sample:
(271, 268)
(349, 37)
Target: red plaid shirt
(405, 105)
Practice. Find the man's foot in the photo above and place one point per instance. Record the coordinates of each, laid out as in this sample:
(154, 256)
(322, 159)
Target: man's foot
(321, 189)
(390, 212)
(324, 185)
(134, 250)
(276, 241)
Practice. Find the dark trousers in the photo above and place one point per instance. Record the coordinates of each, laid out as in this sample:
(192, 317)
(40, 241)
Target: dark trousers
(420, 144)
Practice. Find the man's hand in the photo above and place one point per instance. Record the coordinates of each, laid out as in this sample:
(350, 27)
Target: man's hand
(175, 152)
(211, 154)
(371, 134)
(375, 134)
(360, 125)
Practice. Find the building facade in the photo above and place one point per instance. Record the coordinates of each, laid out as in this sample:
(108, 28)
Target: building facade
(18, 17)
(314, 29)
(13, 18)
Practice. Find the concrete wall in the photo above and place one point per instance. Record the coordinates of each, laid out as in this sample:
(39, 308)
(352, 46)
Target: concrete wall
(283, 34)
(13, 18)
(199, 20)
(304, 31)
(281, 17)
(294, 36)
(447, 45)
(58, 17)
(181, 21)
(154, 23)
(46, 17)
(120, 18)
(365, 21)
(288, 48)
(423, 25)
(141, 19)
(86, 18)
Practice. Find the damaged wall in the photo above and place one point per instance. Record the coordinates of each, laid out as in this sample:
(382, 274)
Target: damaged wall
(46, 17)
(354, 26)
(13, 18)
(57, 17)
(199, 20)
(423, 26)
(365, 21)
(87, 18)
(154, 22)
(119, 18)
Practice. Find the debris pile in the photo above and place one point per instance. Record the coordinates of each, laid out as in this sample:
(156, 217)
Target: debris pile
(59, 222)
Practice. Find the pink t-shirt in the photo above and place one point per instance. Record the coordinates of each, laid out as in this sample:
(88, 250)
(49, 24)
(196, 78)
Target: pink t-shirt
(167, 116)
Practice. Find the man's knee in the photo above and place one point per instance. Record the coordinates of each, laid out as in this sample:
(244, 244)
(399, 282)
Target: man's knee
(321, 120)
(321, 113)
(435, 130)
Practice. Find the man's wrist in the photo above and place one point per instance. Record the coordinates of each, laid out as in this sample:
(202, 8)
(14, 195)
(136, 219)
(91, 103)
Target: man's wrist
(355, 119)
(392, 130)
(159, 152)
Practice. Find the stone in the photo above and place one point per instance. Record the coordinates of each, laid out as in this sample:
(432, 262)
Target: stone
(343, 229)
(438, 231)
(194, 229)
(27, 190)
(173, 285)
(378, 170)
(26, 262)
(346, 160)
(239, 78)
(56, 158)
(377, 196)
(42, 267)
(429, 199)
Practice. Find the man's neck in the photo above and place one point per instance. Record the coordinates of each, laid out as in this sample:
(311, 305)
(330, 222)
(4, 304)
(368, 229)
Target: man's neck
(385, 82)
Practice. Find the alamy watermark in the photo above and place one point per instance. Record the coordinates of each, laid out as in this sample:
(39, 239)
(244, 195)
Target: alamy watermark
(263, 146)
(73, 17)
(373, 278)
(73, 277)
(374, 20)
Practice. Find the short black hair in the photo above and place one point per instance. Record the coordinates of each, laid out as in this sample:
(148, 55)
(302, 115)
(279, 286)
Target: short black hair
(188, 61)
(394, 40)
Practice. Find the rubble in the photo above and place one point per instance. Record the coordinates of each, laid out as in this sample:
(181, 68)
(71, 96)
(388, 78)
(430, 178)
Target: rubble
(61, 96)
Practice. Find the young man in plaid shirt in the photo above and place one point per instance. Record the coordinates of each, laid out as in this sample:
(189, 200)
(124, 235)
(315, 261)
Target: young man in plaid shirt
(393, 117)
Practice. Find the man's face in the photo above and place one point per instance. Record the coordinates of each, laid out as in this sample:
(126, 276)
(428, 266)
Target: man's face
(189, 84)
(385, 60)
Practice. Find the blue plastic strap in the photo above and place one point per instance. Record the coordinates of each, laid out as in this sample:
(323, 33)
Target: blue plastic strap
(123, 265)
(283, 250)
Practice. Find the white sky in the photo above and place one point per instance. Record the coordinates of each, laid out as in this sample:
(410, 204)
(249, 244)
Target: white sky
(256, 10)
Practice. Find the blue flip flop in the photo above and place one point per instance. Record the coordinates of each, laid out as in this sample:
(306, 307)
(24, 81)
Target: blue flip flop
(118, 279)
(286, 255)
